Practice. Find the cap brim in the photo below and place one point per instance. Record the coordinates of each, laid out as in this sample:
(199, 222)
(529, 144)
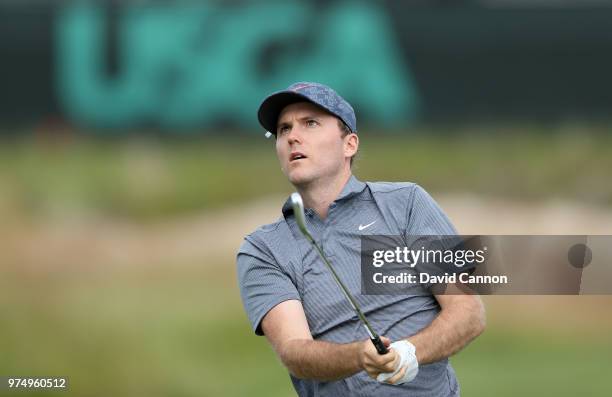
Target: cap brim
(272, 106)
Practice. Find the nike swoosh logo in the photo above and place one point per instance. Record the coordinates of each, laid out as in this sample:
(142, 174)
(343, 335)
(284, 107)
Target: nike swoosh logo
(361, 227)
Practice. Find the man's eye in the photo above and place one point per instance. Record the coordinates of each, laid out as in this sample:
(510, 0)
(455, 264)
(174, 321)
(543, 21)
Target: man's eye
(283, 129)
(312, 123)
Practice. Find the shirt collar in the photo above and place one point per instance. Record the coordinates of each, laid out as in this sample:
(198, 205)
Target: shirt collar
(352, 187)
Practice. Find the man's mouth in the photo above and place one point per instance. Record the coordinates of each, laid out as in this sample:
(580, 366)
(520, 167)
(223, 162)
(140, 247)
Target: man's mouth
(296, 156)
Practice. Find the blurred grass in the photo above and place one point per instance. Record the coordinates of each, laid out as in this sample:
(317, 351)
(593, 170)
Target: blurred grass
(163, 332)
(149, 179)
(153, 334)
(139, 179)
(522, 361)
(181, 331)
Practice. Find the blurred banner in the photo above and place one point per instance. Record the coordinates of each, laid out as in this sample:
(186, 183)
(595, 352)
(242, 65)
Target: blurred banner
(179, 65)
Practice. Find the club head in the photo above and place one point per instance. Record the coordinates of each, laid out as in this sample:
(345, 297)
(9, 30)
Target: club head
(298, 212)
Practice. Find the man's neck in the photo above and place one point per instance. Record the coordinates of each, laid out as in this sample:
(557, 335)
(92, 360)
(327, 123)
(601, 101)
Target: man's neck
(320, 194)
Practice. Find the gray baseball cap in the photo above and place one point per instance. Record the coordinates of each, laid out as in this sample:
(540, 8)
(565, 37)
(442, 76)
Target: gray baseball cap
(319, 94)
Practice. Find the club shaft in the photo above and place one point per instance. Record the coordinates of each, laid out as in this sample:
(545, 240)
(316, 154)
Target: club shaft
(347, 294)
(298, 209)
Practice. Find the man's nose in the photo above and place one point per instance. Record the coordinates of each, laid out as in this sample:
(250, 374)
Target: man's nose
(295, 135)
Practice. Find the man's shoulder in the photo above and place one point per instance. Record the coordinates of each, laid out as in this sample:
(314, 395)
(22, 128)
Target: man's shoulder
(264, 233)
(391, 187)
(398, 196)
(267, 229)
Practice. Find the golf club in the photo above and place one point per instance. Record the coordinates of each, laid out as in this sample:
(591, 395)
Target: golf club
(298, 211)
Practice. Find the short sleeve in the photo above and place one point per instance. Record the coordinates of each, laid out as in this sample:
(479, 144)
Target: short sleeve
(263, 284)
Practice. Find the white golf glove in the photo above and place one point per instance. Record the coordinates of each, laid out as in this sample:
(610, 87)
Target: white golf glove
(406, 351)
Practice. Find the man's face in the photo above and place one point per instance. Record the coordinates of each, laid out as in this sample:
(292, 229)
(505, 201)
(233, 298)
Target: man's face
(310, 144)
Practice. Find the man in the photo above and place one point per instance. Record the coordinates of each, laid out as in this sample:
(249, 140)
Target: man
(289, 295)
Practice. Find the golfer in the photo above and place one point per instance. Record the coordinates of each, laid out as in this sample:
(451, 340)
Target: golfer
(290, 296)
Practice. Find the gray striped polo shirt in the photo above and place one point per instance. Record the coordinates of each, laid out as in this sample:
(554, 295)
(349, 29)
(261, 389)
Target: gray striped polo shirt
(276, 263)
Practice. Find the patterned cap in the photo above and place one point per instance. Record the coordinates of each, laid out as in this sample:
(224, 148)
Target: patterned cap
(319, 94)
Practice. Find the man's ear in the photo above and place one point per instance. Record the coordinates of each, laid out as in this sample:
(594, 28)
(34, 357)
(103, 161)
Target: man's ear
(351, 144)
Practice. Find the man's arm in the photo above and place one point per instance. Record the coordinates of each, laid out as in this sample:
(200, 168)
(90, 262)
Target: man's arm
(286, 328)
(461, 319)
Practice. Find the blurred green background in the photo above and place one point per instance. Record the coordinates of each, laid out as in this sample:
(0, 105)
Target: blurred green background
(131, 167)
(118, 258)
